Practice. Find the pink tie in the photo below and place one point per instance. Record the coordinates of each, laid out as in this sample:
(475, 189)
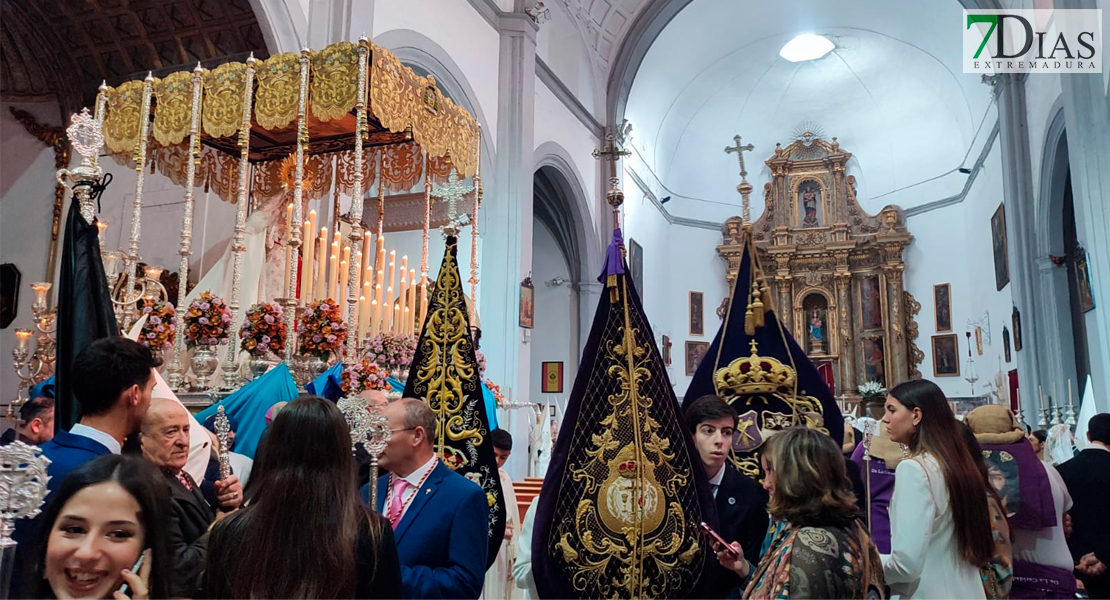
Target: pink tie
(397, 506)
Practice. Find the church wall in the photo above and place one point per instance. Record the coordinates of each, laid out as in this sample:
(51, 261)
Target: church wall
(552, 338)
(692, 254)
(1042, 98)
(962, 257)
(26, 205)
(555, 123)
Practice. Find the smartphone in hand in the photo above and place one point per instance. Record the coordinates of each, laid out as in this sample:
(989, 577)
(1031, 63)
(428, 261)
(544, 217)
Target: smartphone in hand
(134, 569)
(707, 530)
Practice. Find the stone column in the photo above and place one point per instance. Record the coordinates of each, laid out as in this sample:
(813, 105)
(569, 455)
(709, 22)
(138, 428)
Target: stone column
(508, 241)
(330, 21)
(1017, 183)
(848, 378)
(589, 295)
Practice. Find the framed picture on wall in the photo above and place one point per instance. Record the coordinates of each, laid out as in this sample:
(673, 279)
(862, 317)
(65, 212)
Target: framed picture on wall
(666, 348)
(527, 303)
(871, 302)
(946, 355)
(697, 313)
(1017, 329)
(552, 378)
(1000, 249)
(636, 265)
(695, 352)
(942, 306)
(1006, 342)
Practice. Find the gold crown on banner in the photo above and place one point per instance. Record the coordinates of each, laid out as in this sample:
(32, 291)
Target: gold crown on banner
(754, 374)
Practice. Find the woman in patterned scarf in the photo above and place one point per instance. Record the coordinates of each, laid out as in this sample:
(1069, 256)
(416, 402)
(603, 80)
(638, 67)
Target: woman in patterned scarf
(816, 546)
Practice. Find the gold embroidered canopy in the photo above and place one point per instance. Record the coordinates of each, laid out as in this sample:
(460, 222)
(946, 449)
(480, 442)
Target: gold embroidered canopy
(403, 107)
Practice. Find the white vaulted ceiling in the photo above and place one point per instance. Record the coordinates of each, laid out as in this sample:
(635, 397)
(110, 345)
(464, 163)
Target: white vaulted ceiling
(892, 92)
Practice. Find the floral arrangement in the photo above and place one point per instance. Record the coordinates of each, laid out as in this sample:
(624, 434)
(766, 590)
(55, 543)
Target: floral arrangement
(159, 330)
(498, 395)
(322, 329)
(263, 330)
(391, 350)
(481, 363)
(363, 375)
(872, 389)
(207, 321)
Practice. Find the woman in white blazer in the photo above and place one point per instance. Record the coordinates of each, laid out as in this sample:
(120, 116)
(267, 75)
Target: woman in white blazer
(940, 522)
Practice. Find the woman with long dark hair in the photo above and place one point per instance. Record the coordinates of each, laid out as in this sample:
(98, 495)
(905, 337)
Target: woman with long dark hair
(940, 521)
(305, 533)
(106, 514)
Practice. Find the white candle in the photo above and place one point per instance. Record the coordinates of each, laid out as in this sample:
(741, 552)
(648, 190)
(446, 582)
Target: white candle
(344, 277)
(361, 321)
(322, 265)
(412, 300)
(402, 301)
(375, 315)
(333, 272)
(307, 259)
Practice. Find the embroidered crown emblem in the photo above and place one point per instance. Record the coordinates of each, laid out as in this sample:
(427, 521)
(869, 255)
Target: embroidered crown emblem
(754, 374)
(627, 468)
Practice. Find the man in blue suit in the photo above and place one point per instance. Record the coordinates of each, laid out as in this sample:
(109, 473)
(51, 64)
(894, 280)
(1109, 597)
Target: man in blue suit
(114, 379)
(438, 516)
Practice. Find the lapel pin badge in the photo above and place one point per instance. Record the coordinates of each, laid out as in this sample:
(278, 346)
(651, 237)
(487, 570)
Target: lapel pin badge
(732, 500)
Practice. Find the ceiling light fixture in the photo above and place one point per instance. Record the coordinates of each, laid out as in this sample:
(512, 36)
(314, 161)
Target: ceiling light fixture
(806, 46)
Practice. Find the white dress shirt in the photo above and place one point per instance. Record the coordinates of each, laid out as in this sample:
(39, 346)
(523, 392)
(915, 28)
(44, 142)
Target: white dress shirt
(715, 481)
(925, 559)
(414, 480)
(98, 436)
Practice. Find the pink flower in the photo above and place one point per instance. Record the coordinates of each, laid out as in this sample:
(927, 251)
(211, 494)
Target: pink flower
(269, 320)
(203, 320)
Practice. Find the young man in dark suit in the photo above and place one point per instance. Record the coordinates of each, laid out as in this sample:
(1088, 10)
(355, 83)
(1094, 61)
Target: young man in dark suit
(165, 443)
(741, 502)
(113, 381)
(1087, 477)
(438, 516)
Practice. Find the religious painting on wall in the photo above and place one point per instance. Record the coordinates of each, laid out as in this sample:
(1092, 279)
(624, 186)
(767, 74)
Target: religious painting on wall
(697, 313)
(809, 203)
(979, 341)
(552, 378)
(666, 346)
(874, 359)
(1083, 281)
(527, 303)
(871, 302)
(695, 352)
(998, 243)
(636, 264)
(1006, 343)
(1017, 329)
(942, 304)
(946, 355)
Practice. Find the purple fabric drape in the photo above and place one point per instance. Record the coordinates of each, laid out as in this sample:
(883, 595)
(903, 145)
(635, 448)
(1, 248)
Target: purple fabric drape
(1036, 509)
(882, 488)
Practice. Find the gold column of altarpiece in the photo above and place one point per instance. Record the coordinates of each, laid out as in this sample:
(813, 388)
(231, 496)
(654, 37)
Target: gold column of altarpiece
(402, 108)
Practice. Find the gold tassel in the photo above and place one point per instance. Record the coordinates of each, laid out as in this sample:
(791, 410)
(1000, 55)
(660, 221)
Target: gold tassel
(614, 293)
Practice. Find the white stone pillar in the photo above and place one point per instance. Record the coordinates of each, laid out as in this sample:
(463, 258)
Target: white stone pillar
(507, 247)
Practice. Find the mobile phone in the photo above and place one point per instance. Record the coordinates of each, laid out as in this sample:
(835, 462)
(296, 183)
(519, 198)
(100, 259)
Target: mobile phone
(707, 530)
(134, 569)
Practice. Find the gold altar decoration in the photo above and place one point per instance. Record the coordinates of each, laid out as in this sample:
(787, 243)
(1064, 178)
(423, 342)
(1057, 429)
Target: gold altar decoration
(121, 118)
(223, 99)
(277, 98)
(834, 271)
(335, 77)
(174, 95)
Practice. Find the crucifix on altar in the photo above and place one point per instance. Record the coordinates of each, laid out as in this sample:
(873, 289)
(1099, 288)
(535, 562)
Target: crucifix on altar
(744, 188)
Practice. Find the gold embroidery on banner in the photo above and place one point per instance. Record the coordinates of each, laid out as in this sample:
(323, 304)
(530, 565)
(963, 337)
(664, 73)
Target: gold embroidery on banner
(402, 166)
(629, 536)
(223, 99)
(334, 80)
(401, 99)
(174, 108)
(122, 121)
(279, 84)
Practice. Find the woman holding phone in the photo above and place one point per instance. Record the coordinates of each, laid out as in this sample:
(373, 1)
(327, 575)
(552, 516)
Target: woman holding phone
(816, 546)
(304, 533)
(103, 529)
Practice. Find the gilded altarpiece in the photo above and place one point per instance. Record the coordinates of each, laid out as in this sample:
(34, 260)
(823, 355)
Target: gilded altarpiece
(835, 271)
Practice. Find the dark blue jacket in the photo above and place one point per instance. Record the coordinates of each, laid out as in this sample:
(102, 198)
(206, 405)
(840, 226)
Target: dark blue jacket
(442, 540)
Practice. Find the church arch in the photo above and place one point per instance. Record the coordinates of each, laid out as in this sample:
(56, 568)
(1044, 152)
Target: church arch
(1063, 335)
(283, 24)
(421, 53)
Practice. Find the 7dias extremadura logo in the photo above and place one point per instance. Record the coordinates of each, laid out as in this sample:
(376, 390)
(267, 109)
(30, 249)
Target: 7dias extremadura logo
(1032, 41)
